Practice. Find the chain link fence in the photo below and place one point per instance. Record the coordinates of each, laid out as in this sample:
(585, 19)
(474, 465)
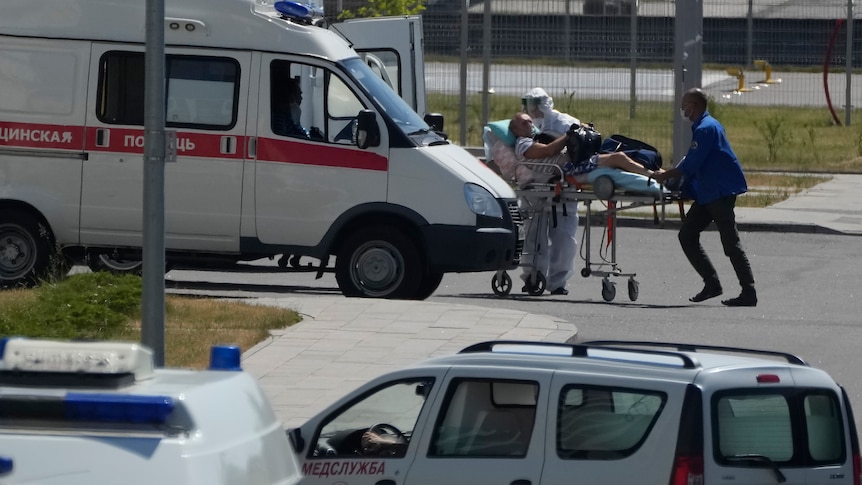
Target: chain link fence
(611, 61)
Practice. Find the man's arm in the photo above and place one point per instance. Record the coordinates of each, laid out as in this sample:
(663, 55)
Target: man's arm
(541, 150)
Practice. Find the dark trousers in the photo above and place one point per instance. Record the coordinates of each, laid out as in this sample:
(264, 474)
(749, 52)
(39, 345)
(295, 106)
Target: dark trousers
(696, 221)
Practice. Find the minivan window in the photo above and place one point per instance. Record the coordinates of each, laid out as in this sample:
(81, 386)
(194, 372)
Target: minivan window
(200, 92)
(485, 418)
(596, 422)
(759, 423)
(378, 424)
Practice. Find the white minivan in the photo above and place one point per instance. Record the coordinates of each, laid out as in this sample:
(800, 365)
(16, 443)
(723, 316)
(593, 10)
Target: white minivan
(366, 180)
(594, 413)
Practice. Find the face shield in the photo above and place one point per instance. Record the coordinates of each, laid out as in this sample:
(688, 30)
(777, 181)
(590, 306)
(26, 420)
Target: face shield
(532, 106)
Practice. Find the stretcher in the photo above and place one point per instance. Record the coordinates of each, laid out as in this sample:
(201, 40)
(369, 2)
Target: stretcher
(603, 197)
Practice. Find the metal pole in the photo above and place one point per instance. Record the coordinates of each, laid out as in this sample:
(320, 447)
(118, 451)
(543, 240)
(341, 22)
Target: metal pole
(462, 111)
(633, 69)
(153, 251)
(486, 63)
(567, 31)
(848, 68)
(687, 65)
(749, 42)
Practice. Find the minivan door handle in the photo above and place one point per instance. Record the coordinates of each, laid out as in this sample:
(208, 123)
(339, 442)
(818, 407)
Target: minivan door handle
(521, 482)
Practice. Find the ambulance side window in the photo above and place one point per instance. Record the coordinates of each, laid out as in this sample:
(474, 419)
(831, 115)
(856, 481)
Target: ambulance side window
(342, 106)
(377, 424)
(311, 102)
(201, 92)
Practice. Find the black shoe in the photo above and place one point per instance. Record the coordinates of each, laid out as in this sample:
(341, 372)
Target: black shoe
(706, 293)
(744, 299)
(560, 291)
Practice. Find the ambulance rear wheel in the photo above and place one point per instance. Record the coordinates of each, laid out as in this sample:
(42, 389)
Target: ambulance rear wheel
(380, 262)
(26, 249)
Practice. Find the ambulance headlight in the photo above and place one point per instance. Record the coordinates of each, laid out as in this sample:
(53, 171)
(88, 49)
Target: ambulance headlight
(482, 202)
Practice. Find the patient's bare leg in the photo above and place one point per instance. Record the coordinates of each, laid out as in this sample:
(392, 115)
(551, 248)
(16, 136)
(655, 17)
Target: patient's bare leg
(622, 161)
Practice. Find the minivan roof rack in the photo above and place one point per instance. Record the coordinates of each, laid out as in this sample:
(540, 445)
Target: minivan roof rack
(793, 359)
(574, 350)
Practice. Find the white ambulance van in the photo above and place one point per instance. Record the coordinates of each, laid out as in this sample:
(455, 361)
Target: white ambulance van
(98, 412)
(364, 179)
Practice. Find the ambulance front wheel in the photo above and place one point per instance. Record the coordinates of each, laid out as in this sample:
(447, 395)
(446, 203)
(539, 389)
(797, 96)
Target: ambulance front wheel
(501, 283)
(429, 284)
(380, 262)
(26, 249)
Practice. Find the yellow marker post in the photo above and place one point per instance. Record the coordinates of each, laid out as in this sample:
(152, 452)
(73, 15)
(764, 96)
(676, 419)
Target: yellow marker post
(740, 75)
(765, 66)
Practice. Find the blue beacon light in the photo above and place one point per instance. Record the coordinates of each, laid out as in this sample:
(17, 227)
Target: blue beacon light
(294, 10)
(225, 357)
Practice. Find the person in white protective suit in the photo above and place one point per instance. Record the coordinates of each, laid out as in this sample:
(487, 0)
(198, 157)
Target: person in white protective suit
(557, 246)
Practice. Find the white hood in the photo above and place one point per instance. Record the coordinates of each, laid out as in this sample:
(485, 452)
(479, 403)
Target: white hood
(472, 169)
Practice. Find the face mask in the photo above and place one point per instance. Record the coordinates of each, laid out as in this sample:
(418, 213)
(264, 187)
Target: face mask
(682, 113)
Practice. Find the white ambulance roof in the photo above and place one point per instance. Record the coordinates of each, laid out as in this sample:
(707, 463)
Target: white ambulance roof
(235, 24)
(103, 414)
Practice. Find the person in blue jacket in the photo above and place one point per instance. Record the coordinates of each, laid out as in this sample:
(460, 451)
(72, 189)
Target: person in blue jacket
(712, 175)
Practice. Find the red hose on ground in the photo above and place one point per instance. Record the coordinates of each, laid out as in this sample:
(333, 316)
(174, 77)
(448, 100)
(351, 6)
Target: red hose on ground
(838, 24)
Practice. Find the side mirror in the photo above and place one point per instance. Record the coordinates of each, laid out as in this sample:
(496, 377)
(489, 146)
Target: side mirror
(294, 435)
(435, 121)
(366, 132)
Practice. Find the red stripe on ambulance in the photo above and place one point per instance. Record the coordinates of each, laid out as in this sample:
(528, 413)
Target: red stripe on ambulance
(272, 150)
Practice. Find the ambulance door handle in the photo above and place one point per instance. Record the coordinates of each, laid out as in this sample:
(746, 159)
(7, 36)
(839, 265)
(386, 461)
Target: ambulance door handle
(252, 147)
(521, 482)
(228, 145)
(385, 482)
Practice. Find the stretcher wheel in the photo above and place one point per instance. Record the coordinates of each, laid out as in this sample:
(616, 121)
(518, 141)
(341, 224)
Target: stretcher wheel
(633, 289)
(501, 283)
(609, 290)
(537, 287)
(586, 272)
(603, 186)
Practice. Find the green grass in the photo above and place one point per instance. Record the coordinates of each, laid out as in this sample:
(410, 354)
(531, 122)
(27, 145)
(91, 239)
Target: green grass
(103, 306)
(795, 139)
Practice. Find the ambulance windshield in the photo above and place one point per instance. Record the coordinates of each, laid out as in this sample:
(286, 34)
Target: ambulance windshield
(388, 101)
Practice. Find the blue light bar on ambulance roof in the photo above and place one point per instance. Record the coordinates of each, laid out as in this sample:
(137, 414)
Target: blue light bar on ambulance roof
(55, 356)
(123, 408)
(294, 10)
(86, 407)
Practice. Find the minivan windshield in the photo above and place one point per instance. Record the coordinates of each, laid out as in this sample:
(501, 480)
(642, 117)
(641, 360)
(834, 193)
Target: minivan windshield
(389, 102)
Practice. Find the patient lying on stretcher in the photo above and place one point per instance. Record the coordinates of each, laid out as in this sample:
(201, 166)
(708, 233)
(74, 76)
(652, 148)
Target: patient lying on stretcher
(552, 157)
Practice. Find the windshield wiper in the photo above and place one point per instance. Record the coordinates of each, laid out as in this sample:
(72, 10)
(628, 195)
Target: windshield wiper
(760, 459)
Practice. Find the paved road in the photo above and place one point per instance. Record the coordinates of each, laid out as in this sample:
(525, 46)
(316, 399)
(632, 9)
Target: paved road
(795, 89)
(808, 287)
